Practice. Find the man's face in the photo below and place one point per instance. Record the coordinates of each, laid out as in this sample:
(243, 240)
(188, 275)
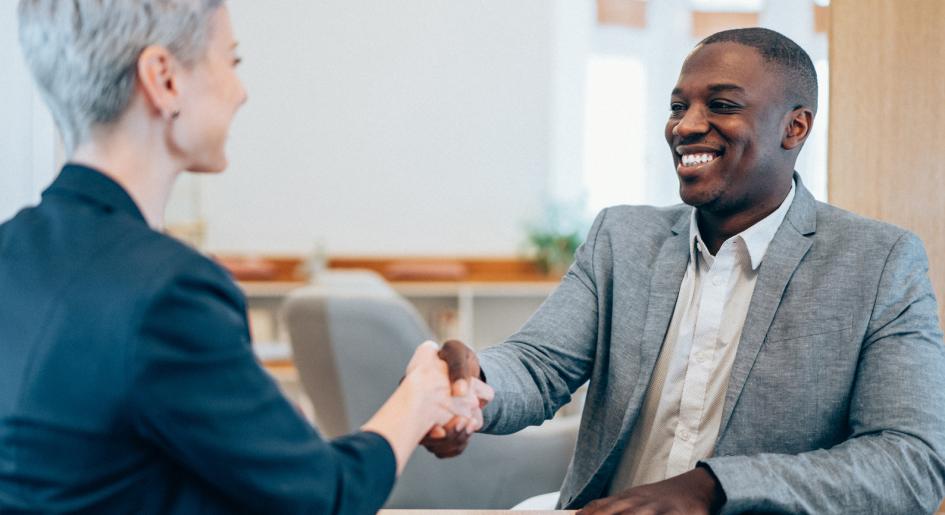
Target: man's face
(727, 119)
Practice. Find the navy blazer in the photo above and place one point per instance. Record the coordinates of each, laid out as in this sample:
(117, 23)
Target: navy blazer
(128, 383)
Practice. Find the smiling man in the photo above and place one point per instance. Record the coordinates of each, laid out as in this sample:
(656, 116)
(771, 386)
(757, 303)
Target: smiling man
(750, 350)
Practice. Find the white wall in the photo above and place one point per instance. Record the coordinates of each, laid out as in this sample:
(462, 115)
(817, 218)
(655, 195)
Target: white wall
(387, 128)
(27, 137)
(398, 128)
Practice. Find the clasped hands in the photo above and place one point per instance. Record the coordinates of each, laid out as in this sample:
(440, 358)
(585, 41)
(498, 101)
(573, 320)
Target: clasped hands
(460, 409)
(696, 491)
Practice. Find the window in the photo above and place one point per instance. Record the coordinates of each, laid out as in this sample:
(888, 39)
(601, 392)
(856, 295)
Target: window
(629, 73)
(613, 137)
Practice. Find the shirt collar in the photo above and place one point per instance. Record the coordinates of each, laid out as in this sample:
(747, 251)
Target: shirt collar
(93, 185)
(756, 238)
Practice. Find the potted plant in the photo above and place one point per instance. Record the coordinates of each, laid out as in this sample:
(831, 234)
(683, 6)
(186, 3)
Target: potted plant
(553, 241)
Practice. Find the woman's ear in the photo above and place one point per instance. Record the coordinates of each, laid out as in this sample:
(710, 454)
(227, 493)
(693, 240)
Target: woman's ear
(158, 76)
(798, 128)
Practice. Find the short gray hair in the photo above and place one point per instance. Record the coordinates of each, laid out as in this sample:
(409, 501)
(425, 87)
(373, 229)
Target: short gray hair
(84, 53)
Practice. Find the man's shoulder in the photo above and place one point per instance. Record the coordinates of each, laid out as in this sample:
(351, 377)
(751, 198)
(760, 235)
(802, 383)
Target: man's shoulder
(837, 226)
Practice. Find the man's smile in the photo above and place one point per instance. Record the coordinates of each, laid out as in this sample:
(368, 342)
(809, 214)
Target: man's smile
(694, 157)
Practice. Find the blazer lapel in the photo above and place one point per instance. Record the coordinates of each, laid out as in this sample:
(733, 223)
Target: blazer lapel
(668, 271)
(784, 255)
(670, 267)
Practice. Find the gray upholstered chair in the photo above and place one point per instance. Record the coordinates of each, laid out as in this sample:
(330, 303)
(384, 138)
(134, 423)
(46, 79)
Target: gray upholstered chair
(352, 336)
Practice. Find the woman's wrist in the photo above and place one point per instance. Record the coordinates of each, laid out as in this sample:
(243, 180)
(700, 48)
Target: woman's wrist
(402, 421)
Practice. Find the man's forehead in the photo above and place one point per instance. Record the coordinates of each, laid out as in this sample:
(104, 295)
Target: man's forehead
(725, 52)
(724, 66)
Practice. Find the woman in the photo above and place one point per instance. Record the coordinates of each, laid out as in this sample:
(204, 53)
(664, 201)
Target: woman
(127, 380)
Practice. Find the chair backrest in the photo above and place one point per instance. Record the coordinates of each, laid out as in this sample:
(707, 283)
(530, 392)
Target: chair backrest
(352, 337)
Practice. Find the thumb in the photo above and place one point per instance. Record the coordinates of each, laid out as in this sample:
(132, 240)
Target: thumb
(459, 359)
(426, 351)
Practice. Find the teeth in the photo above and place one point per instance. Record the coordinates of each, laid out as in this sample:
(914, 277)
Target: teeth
(696, 159)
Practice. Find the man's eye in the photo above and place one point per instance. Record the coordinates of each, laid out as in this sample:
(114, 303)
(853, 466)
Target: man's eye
(676, 108)
(723, 106)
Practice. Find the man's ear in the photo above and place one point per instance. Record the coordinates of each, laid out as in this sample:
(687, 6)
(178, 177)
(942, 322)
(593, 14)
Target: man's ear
(800, 121)
(158, 79)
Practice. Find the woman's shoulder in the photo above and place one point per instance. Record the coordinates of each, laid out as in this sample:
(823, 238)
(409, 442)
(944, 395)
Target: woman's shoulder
(168, 260)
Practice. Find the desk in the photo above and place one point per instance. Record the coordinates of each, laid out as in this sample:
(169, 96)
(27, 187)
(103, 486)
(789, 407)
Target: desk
(465, 512)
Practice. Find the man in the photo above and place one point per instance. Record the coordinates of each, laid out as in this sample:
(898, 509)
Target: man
(757, 351)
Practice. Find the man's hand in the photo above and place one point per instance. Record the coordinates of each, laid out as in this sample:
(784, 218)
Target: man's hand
(463, 366)
(695, 492)
(460, 360)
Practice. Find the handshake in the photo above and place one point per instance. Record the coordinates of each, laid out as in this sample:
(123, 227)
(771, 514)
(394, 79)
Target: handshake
(451, 379)
(439, 403)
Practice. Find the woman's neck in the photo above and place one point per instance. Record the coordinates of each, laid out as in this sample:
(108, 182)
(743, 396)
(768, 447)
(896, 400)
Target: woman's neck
(146, 174)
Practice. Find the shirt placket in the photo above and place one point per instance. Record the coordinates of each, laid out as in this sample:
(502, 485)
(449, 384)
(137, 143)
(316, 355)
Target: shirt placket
(712, 298)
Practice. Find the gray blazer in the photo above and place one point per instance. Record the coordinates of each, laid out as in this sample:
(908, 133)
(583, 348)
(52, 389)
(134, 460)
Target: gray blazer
(836, 401)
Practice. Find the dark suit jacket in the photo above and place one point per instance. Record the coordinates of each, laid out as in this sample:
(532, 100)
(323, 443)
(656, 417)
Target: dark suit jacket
(128, 384)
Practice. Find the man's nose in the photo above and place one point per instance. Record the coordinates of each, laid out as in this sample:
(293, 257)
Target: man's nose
(693, 122)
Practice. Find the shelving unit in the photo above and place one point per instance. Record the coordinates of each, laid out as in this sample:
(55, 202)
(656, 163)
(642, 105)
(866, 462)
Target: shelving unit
(478, 313)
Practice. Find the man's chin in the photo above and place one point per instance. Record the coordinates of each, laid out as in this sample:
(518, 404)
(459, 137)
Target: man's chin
(696, 197)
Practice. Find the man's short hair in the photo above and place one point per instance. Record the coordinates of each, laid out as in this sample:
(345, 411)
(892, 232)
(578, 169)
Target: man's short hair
(800, 77)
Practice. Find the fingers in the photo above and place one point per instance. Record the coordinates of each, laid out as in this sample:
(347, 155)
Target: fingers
(463, 408)
(460, 388)
(468, 400)
(609, 506)
(475, 423)
(482, 391)
(460, 413)
(437, 432)
(453, 444)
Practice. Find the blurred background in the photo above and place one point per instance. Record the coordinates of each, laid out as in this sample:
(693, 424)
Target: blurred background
(454, 141)
(435, 128)
(449, 156)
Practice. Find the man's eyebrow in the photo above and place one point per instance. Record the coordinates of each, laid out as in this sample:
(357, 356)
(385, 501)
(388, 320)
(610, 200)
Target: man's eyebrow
(715, 88)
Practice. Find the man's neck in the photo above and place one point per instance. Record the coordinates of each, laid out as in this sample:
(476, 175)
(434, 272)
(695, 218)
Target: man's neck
(717, 227)
(148, 176)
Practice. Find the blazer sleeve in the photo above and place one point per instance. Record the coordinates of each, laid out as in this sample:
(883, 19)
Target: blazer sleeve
(894, 459)
(537, 369)
(199, 395)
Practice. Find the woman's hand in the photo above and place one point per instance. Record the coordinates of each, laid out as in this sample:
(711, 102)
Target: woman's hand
(425, 399)
(440, 402)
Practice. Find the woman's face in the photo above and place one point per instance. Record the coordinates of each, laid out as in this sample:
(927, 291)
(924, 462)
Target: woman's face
(210, 94)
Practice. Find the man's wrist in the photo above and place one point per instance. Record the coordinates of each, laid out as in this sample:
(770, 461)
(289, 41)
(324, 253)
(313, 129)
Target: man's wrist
(717, 493)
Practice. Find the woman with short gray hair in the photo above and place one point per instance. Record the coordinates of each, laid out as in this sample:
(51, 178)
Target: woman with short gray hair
(127, 380)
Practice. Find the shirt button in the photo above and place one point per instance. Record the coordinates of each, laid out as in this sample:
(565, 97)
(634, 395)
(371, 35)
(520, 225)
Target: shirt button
(684, 435)
(716, 281)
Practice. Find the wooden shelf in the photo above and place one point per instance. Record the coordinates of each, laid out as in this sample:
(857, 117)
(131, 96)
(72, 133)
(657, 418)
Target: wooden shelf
(268, 270)
(271, 289)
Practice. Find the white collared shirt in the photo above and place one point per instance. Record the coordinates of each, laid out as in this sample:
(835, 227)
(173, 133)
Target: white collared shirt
(682, 410)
